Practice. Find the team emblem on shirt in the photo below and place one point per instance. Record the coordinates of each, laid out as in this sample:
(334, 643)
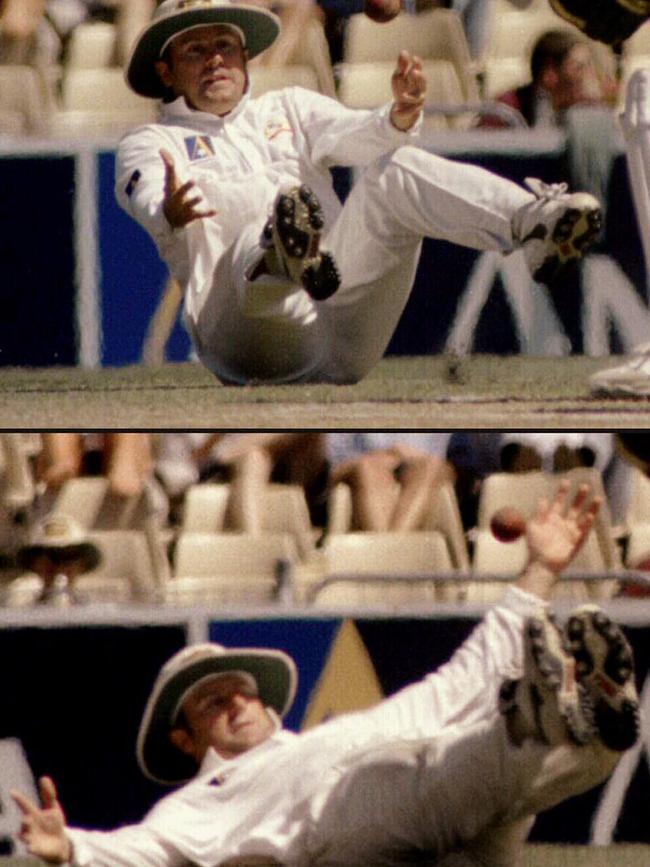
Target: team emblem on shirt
(276, 126)
(133, 180)
(199, 147)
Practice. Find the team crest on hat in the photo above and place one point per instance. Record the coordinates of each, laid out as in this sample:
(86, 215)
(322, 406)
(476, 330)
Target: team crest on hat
(199, 147)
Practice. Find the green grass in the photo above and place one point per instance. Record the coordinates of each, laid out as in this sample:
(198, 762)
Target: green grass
(421, 392)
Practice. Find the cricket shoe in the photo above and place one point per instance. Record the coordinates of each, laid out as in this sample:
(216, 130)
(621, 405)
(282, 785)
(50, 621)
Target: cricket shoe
(556, 228)
(547, 703)
(294, 232)
(605, 668)
(629, 379)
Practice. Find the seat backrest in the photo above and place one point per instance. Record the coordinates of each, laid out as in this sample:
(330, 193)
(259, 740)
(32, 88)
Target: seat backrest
(521, 490)
(91, 45)
(444, 516)
(387, 553)
(89, 500)
(368, 84)
(24, 92)
(434, 35)
(126, 554)
(100, 89)
(204, 508)
(285, 510)
(638, 508)
(265, 78)
(205, 554)
(17, 484)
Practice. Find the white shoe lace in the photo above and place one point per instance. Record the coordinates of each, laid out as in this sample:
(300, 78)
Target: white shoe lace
(546, 191)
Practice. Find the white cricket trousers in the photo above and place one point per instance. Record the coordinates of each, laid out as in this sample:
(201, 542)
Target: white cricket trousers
(376, 241)
(450, 794)
(635, 123)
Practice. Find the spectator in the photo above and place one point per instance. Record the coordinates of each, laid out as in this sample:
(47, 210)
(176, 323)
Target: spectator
(563, 75)
(391, 476)
(125, 458)
(26, 37)
(248, 461)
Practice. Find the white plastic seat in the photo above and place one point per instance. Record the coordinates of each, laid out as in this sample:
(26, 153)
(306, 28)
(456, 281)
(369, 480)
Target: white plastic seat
(204, 508)
(442, 516)
(90, 502)
(359, 567)
(265, 78)
(91, 45)
(25, 100)
(434, 35)
(99, 102)
(230, 567)
(127, 573)
(638, 507)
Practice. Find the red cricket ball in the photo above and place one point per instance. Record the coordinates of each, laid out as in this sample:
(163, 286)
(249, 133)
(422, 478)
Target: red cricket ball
(507, 524)
(382, 10)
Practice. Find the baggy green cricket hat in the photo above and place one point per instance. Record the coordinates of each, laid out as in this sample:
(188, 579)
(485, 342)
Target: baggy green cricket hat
(273, 671)
(257, 27)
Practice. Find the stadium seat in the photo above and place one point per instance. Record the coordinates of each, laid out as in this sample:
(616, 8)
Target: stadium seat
(232, 568)
(265, 78)
(435, 35)
(368, 85)
(91, 45)
(443, 516)
(90, 502)
(285, 510)
(98, 102)
(26, 102)
(129, 571)
(204, 508)
(359, 568)
(638, 507)
(17, 484)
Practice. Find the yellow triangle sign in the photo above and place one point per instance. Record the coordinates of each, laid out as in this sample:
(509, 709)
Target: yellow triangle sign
(348, 681)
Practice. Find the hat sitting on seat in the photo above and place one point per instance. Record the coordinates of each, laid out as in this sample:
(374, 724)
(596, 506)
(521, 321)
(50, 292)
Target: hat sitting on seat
(61, 538)
(258, 26)
(273, 671)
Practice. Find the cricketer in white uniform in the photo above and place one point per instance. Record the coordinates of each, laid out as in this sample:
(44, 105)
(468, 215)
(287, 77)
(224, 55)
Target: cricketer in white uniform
(434, 772)
(240, 153)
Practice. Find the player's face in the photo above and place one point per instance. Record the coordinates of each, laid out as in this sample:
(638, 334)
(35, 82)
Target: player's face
(206, 65)
(225, 714)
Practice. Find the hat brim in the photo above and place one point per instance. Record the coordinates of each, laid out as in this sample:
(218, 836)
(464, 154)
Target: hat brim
(88, 553)
(260, 28)
(273, 671)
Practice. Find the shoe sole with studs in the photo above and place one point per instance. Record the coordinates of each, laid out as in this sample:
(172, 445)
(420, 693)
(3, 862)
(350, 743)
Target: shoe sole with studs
(296, 231)
(605, 667)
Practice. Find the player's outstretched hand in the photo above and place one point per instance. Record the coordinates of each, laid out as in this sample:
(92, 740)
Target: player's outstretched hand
(409, 88)
(179, 205)
(555, 534)
(42, 829)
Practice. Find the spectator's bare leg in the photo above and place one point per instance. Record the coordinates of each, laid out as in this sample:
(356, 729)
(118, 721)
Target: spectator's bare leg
(60, 458)
(129, 462)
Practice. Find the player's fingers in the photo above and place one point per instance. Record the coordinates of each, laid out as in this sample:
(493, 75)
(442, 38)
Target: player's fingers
(171, 179)
(579, 500)
(24, 804)
(543, 507)
(559, 500)
(590, 514)
(49, 795)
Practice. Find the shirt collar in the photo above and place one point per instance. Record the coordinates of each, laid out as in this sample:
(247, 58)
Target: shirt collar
(214, 764)
(179, 109)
